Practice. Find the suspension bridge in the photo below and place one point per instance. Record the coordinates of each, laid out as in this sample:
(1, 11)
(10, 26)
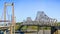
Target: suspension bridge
(11, 26)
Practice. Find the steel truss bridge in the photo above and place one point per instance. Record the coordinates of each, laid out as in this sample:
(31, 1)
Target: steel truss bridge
(42, 20)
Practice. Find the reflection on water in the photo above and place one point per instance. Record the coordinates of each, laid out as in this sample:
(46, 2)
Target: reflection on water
(7, 32)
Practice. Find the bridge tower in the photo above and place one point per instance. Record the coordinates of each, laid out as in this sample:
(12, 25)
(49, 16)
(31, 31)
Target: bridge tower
(12, 19)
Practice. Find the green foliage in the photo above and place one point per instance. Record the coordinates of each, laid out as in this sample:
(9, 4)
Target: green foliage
(58, 23)
(17, 25)
(34, 27)
(24, 27)
(47, 28)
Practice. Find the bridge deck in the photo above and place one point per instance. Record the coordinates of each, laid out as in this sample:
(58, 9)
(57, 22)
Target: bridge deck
(4, 27)
(4, 21)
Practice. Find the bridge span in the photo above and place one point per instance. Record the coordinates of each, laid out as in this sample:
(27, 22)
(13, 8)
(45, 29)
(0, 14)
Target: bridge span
(41, 20)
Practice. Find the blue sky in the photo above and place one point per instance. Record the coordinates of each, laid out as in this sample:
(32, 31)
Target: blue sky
(29, 8)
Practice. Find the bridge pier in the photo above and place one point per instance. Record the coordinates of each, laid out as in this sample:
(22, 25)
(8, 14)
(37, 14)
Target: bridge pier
(54, 29)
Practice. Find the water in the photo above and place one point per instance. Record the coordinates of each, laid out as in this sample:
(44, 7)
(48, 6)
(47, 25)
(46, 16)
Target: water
(1, 32)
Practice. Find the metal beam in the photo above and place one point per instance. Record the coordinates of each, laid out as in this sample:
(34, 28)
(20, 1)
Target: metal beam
(4, 21)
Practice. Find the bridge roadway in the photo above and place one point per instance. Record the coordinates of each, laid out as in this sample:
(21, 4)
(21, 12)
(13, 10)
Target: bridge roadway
(4, 27)
(4, 21)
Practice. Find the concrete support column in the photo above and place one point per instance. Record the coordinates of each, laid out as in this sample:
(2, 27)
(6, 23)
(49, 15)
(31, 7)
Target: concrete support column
(4, 32)
(14, 29)
(10, 29)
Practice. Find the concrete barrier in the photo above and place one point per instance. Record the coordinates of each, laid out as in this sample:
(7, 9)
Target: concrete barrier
(41, 32)
(58, 31)
(44, 32)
